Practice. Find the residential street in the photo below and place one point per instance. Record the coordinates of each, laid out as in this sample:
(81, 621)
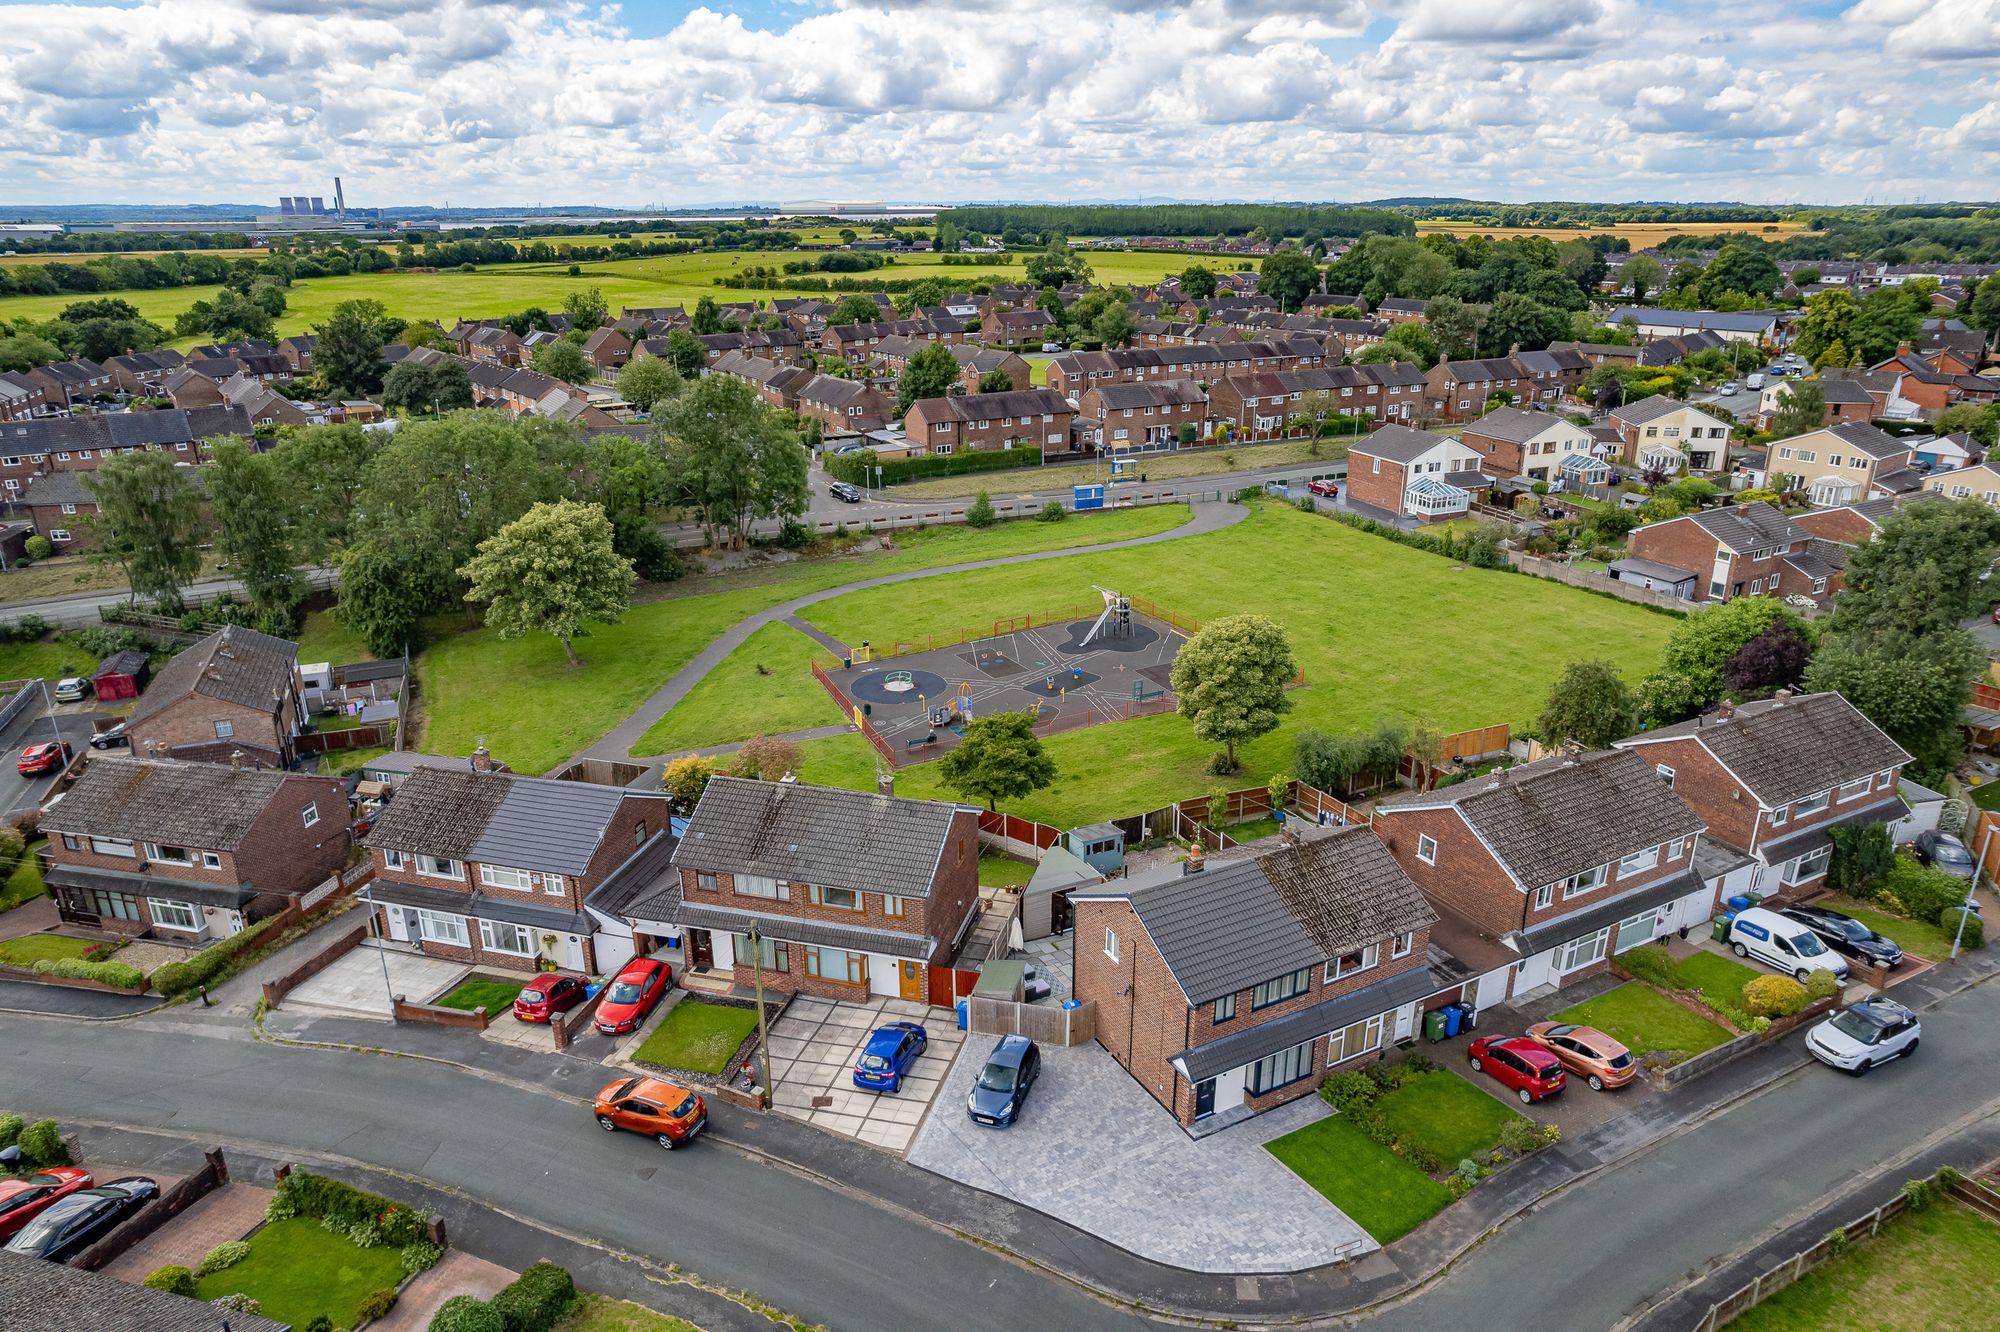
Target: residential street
(1625, 1235)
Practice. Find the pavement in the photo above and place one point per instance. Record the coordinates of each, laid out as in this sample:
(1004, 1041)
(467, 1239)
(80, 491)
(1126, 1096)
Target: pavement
(814, 1046)
(20, 793)
(457, 1273)
(354, 985)
(1092, 1148)
(81, 608)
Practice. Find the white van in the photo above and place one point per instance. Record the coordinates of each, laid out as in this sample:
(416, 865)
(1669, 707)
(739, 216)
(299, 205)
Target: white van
(1783, 944)
(1754, 381)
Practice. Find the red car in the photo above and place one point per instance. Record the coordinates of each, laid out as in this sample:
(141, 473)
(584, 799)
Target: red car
(1330, 489)
(1517, 1062)
(22, 1200)
(48, 756)
(637, 991)
(546, 996)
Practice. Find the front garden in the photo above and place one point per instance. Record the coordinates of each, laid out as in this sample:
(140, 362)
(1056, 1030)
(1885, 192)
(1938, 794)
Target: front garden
(297, 1270)
(495, 994)
(1729, 995)
(698, 1036)
(23, 882)
(1648, 1023)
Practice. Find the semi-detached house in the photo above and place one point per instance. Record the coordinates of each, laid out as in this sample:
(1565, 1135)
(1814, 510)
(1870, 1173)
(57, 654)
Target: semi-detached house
(1530, 445)
(983, 421)
(1229, 990)
(1738, 550)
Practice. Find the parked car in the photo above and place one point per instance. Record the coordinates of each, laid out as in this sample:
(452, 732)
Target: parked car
(1004, 1083)
(1863, 1035)
(1533, 1073)
(841, 490)
(112, 736)
(671, 1116)
(1846, 935)
(635, 992)
(546, 996)
(70, 1225)
(1782, 944)
(1330, 489)
(1592, 1055)
(48, 756)
(1629, 500)
(22, 1200)
(1730, 387)
(1754, 382)
(72, 689)
(888, 1055)
(1052, 346)
(1943, 851)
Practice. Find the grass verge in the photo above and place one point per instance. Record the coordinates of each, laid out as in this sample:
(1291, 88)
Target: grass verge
(296, 1271)
(1643, 1019)
(698, 1036)
(601, 1313)
(1379, 1191)
(764, 687)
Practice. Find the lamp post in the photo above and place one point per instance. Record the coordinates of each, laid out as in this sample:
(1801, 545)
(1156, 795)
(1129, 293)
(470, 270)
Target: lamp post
(381, 953)
(763, 1024)
(1971, 900)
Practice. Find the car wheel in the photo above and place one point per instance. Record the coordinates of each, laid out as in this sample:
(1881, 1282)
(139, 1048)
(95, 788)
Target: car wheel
(1740, 950)
(1596, 1083)
(667, 1141)
(895, 1085)
(1477, 1067)
(1911, 1048)
(1802, 975)
(1863, 1067)
(1526, 1099)
(604, 1122)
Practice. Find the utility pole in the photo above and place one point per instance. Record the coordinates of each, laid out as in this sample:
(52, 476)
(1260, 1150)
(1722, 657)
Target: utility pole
(381, 952)
(1971, 901)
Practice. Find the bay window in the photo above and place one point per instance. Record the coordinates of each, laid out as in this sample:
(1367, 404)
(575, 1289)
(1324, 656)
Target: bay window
(437, 927)
(173, 915)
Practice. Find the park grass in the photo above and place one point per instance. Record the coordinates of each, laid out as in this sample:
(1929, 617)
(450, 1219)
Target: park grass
(325, 638)
(1379, 1191)
(1157, 467)
(491, 993)
(47, 659)
(764, 687)
(1380, 629)
(1642, 1019)
(534, 710)
(32, 948)
(1447, 1114)
(998, 871)
(1914, 936)
(697, 1036)
(297, 1270)
(25, 883)
(1934, 1270)
(602, 1313)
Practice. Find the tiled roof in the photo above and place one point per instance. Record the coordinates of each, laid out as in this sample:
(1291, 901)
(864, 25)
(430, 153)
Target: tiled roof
(818, 834)
(994, 406)
(233, 664)
(1397, 443)
(1745, 527)
(500, 818)
(1782, 749)
(1153, 393)
(1512, 424)
(53, 1297)
(1562, 815)
(208, 805)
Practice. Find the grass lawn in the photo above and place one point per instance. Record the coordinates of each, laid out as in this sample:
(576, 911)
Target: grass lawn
(534, 710)
(32, 948)
(1251, 830)
(1917, 936)
(1382, 1193)
(1720, 979)
(496, 996)
(1643, 1019)
(297, 1271)
(1003, 871)
(764, 687)
(1986, 795)
(49, 659)
(325, 638)
(25, 883)
(1937, 1270)
(1447, 1114)
(698, 1036)
(601, 1313)
(1190, 462)
(1507, 637)
(347, 762)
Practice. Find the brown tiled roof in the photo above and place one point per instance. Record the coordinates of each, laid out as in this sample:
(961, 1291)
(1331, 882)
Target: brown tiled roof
(1782, 749)
(210, 805)
(233, 664)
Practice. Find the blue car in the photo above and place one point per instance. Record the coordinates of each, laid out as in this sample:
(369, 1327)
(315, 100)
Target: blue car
(1003, 1086)
(888, 1055)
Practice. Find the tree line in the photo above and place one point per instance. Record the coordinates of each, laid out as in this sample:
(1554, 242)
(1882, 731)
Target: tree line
(1178, 220)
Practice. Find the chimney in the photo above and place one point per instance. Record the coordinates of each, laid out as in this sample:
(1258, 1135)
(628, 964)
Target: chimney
(236, 760)
(885, 781)
(1902, 349)
(1514, 350)
(1725, 710)
(1782, 697)
(482, 758)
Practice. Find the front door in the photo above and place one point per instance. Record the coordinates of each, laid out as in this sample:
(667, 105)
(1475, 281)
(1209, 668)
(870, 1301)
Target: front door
(701, 950)
(912, 977)
(1204, 1099)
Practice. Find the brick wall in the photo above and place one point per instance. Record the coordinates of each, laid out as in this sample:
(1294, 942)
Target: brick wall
(1368, 484)
(280, 853)
(1707, 788)
(1142, 1018)
(191, 721)
(1464, 874)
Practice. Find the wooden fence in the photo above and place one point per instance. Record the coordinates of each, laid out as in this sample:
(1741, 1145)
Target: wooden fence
(1047, 1023)
(1018, 835)
(947, 985)
(1557, 571)
(375, 735)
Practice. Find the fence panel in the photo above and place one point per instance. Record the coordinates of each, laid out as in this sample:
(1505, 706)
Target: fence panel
(1047, 1024)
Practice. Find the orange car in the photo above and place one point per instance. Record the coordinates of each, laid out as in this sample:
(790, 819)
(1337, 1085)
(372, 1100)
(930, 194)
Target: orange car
(1587, 1052)
(669, 1114)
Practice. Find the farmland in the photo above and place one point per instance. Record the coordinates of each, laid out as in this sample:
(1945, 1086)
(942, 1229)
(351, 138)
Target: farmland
(1643, 235)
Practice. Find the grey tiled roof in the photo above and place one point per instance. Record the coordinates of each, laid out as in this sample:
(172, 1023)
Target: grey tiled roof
(817, 834)
(500, 818)
(1563, 815)
(233, 664)
(207, 805)
(458, 902)
(638, 876)
(1511, 424)
(1784, 749)
(53, 1297)
(1744, 527)
(1237, 924)
(1396, 443)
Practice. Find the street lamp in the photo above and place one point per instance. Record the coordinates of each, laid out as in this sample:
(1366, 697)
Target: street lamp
(49, 710)
(763, 1023)
(1971, 903)
(381, 953)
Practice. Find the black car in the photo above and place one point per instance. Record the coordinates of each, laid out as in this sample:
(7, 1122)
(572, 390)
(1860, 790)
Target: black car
(1942, 851)
(840, 490)
(1846, 935)
(73, 1224)
(110, 737)
(1005, 1082)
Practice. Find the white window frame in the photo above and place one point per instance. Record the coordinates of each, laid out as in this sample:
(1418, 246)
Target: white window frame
(489, 941)
(1885, 779)
(1111, 944)
(1665, 774)
(114, 846)
(429, 923)
(1545, 896)
(1808, 866)
(1676, 847)
(224, 729)
(157, 853)
(506, 876)
(1650, 918)
(162, 908)
(1402, 944)
(310, 814)
(1848, 790)
(392, 859)
(1581, 952)
(438, 867)
(1589, 881)
(1804, 807)
(1640, 861)
(210, 860)
(1365, 958)
(1369, 1038)
(1427, 848)
(755, 885)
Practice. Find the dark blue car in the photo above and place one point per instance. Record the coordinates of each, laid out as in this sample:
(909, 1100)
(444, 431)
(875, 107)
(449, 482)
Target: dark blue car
(888, 1055)
(1005, 1082)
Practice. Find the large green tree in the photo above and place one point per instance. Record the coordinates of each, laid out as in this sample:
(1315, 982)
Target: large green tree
(1454, 324)
(1829, 315)
(1515, 321)
(1699, 647)
(442, 386)
(928, 374)
(348, 353)
(1229, 681)
(1114, 325)
(1886, 317)
(1198, 281)
(731, 459)
(684, 349)
(1000, 758)
(647, 381)
(587, 309)
(1643, 273)
(323, 468)
(1801, 407)
(1288, 277)
(562, 360)
(628, 480)
(854, 309)
(148, 522)
(1056, 264)
(551, 571)
(1589, 704)
(255, 532)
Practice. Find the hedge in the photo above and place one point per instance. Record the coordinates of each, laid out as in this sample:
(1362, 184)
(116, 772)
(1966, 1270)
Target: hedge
(537, 1300)
(859, 468)
(124, 976)
(178, 978)
(467, 1313)
(305, 1194)
(41, 1145)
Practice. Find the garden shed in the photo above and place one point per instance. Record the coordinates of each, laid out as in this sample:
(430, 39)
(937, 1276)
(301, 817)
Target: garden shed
(122, 675)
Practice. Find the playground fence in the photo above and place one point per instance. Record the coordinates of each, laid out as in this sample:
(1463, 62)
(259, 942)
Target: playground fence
(851, 713)
(1011, 624)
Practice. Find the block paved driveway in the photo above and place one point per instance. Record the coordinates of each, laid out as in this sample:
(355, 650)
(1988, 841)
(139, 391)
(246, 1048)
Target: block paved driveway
(1093, 1149)
(813, 1049)
(228, 1213)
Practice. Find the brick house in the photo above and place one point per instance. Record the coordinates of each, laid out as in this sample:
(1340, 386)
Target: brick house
(1228, 990)
(1143, 418)
(67, 383)
(21, 397)
(492, 868)
(190, 851)
(28, 448)
(1555, 374)
(1017, 328)
(198, 383)
(850, 893)
(844, 404)
(1669, 434)
(1458, 390)
(991, 421)
(1412, 473)
(893, 355)
(1739, 550)
(608, 349)
(495, 346)
(1530, 445)
(1561, 863)
(236, 690)
(144, 374)
(58, 504)
(1838, 464)
(1773, 778)
(775, 344)
(853, 341)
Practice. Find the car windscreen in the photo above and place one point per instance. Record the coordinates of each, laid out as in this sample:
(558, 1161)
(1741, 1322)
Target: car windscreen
(1622, 1061)
(1858, 1027)
(623, 992)
(1807, 944)
(874, 1063)
(998, 1078)
(531, 996)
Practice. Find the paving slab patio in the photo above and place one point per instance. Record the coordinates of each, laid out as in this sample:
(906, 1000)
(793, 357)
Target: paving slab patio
(813, 1049)
(228, 1213)
(1093, 1149)
(457, 1273)
(353, 986)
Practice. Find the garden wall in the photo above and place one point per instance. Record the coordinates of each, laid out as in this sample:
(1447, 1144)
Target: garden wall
(1559, 572)
(213, 1174)
(566, 1027)
(405, 1011)
(276, 989)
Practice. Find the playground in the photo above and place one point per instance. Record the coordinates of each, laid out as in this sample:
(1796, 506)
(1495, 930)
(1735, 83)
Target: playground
(914, 706)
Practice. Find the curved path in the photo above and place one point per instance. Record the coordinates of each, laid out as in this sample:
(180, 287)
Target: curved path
(617, 746)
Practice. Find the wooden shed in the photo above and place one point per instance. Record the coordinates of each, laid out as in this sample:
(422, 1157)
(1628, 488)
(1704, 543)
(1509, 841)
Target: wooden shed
(122, 675)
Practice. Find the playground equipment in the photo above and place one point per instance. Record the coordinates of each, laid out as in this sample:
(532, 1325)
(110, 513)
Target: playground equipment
(958, 712)
(1117, 617)
(899, 682)
(1140, 693)
(862, 653)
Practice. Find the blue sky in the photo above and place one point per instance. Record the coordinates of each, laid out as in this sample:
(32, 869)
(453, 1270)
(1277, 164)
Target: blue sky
(675, 103)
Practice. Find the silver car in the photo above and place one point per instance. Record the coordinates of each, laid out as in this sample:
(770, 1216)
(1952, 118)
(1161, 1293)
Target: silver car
(1862, 1035)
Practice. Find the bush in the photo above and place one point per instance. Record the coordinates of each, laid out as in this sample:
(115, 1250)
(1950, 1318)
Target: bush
(1416, 1061)
(320, 1323)
(239, 1302)
(104, 640)
(376, 1303)
(178, 978)
(123, 975)
(1422, 1157)
(467, 1313)
(173, 1279)
(1458, 1186)
(537, 1300)
(10, 1129)
(339, 1206)
(420, 1257)
(1821, 985)
(1975, 929)
(1923, 893)
(794, 535)
(39, 547)
(1052, 512)
(1349, 1091)
(223, 1255)
(1774, 996)
(1653, 964)
(980, 513)
(1521, 1137)
(42, 1145)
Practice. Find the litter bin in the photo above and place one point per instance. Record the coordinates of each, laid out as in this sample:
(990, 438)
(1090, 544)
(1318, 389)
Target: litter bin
(1740, 902)
(1434, 1025)
(962, 1016)
(1072, 1003)
(1719, 929)
(1454, 1017)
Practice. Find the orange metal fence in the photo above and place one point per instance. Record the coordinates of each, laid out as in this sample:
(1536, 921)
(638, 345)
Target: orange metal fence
(849, 712)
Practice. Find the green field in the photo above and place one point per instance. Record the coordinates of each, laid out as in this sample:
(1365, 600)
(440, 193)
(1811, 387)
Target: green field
(1380, 630)
(764, 687)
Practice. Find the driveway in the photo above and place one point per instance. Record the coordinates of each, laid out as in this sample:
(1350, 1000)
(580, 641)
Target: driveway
(813, 1049)
(1093, 1149)
(354, 987)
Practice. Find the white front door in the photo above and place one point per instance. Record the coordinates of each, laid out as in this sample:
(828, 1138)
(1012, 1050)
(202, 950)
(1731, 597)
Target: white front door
(398, 931)
(1406, 1020)
(1533, 971)
(573, 952)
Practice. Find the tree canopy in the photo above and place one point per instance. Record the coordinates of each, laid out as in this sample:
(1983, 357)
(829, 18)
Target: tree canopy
(730, 458)
(148, 522)
(928, 374)
(1000, 758)
(1229, 681)
(551, 571)
(348, 352)
(1589, 704)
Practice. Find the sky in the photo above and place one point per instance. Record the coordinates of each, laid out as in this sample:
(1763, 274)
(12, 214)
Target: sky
(667, 103)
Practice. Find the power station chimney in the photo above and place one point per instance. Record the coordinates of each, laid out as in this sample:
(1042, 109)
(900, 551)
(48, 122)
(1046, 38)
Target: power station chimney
(318, 204)
(339, 199)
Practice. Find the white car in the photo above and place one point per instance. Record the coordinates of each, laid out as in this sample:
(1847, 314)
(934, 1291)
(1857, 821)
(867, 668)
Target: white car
(72, 689)
(1863, 1035)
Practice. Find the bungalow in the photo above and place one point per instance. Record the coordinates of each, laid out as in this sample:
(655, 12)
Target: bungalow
(1755, 326)
(236, 691)
(1530, 445)
(1668, 435)
(1412, 473)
